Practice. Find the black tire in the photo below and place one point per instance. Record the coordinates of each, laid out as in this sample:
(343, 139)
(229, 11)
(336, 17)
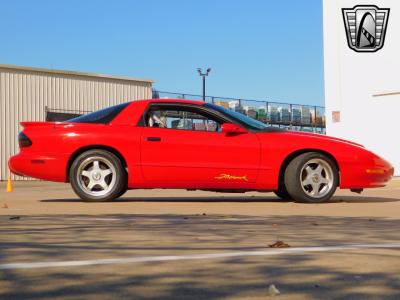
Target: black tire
(116, 181)
(283, 193)
(123, 191)
(306, 182)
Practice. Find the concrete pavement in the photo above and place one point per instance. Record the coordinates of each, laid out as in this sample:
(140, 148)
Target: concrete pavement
(144, 226)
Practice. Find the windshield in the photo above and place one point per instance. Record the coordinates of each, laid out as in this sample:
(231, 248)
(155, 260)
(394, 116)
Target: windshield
(241, 118)
(103, 116)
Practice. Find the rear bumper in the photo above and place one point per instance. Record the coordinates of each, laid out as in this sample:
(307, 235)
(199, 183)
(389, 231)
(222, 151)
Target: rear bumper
(47, 167)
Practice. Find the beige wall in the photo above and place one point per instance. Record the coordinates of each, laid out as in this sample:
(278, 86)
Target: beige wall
(24, 94)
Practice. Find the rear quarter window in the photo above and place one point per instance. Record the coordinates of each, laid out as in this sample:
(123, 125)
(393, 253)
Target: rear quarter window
(103, 116)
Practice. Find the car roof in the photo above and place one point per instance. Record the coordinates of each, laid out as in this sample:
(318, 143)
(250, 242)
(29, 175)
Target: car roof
(172, 100)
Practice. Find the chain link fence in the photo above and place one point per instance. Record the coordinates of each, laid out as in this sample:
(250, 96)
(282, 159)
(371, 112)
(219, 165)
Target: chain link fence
(287, 115)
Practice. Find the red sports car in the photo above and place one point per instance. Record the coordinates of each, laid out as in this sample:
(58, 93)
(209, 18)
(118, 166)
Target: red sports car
(182, 144)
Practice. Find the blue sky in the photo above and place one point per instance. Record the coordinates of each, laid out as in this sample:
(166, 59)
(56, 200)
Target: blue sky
(257, 49)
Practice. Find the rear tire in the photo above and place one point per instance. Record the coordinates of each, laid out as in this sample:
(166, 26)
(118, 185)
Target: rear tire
(311, 178)
(97, 176)
(123, 191)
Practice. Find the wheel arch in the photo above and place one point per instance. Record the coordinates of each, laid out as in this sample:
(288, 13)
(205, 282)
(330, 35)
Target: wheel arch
(83, 149)
(296, 153)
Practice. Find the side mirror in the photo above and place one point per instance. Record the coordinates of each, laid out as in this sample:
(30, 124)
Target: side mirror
(230, 128)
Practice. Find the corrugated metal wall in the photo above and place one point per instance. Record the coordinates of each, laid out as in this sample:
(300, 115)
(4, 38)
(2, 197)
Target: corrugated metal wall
(24, 94)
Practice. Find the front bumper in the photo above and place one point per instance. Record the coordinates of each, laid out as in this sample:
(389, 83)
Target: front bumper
(377, 172)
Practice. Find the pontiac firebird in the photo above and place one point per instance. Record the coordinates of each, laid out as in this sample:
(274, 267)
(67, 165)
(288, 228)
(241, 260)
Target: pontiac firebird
(184, 144)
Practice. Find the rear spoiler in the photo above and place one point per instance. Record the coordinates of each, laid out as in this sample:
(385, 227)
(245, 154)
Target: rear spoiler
(39, 124)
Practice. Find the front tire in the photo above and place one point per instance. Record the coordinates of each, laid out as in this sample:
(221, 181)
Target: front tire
(282, 193)
(311, 177)
(97, 176)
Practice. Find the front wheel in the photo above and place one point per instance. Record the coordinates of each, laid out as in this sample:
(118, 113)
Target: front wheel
(311, 177)
(282, 193)
(97, 175)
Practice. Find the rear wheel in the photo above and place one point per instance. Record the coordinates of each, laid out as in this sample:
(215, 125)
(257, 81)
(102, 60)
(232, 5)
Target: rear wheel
(123, 191)
(97, 175)
(311, 177)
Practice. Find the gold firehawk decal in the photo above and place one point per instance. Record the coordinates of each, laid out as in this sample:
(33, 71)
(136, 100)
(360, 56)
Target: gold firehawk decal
(231, 177)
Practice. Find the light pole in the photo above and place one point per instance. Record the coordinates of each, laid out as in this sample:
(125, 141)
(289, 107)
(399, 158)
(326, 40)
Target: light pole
(204, 80)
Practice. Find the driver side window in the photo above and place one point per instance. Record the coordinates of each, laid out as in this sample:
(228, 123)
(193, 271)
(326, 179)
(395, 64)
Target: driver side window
(180, 118)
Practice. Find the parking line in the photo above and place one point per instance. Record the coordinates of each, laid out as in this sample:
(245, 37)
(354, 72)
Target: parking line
(145, 259)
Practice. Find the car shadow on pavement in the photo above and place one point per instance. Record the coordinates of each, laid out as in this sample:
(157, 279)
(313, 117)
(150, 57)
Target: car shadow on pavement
(361, 199)
(250, 199)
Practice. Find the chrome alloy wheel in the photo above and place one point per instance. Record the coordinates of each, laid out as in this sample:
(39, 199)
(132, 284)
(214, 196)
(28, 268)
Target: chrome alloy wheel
(96, 176)
(316, 177)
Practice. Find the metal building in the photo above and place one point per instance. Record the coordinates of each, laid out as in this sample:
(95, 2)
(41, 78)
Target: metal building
(27, 93)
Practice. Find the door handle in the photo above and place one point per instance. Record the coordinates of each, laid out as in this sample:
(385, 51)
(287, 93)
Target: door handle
(153, 139)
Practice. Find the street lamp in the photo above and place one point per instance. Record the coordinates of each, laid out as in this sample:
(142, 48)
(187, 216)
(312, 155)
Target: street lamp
(204, 80)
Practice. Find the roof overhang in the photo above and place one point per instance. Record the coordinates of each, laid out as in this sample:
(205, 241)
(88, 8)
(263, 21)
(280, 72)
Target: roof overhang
(73, 73)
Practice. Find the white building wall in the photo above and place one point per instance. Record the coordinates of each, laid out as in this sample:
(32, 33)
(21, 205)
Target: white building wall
(25, 92)
(352, 79)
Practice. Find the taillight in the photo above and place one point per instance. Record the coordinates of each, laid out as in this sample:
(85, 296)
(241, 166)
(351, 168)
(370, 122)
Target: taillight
(23, 140)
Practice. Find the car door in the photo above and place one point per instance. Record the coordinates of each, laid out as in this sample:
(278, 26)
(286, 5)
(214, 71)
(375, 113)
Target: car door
(191, 151)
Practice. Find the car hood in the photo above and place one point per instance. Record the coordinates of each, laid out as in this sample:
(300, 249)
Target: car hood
(315, 136)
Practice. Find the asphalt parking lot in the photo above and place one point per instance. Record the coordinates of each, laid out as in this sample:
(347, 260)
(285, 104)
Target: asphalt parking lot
(197, 245)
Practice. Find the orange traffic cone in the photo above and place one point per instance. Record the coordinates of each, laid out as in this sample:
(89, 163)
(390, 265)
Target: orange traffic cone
(9, 185)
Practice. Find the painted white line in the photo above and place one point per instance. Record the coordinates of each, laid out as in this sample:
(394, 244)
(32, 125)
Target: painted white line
(95, 219)
(182, 218)
(145, 259)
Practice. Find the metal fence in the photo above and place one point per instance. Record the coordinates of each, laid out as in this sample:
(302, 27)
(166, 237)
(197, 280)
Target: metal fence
(287, 115)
